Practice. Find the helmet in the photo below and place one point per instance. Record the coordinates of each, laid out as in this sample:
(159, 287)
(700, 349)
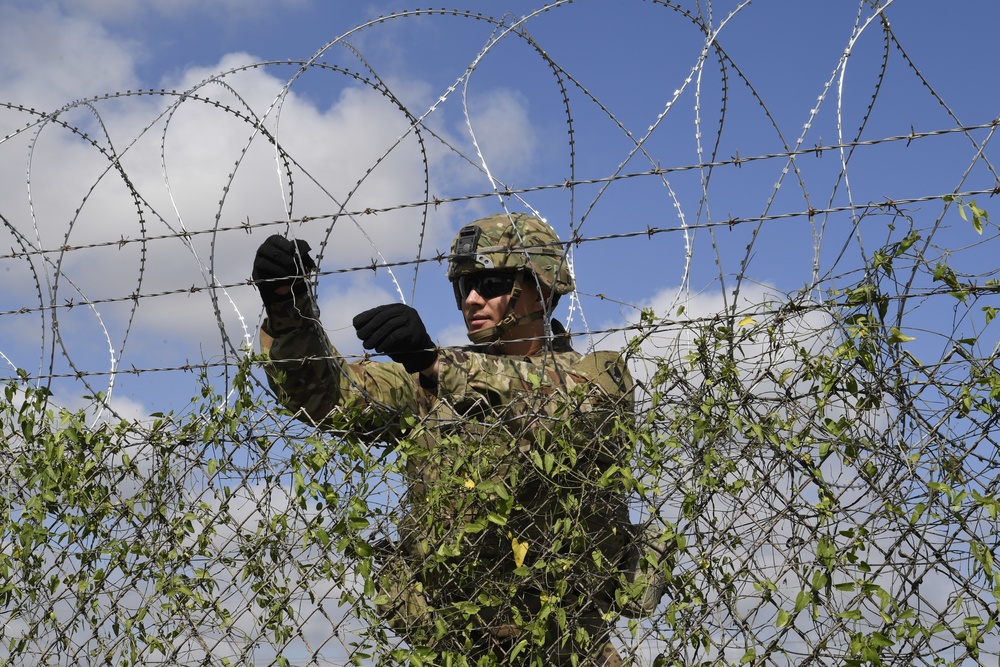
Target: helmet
(510, 243)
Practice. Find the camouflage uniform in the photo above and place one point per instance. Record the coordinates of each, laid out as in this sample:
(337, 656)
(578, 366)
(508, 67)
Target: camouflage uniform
(505, 519)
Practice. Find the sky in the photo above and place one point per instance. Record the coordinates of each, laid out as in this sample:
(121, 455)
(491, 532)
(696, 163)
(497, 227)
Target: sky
(148, 148)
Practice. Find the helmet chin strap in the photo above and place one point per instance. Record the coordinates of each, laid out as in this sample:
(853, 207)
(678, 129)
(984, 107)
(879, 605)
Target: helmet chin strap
(491, 335)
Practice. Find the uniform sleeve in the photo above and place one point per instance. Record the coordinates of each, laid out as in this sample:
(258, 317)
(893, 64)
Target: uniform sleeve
(608, 371)
(315, 383)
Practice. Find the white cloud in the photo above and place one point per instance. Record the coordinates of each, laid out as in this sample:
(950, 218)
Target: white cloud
(340, 301)
(680, 317)
(48, 58)
(455, 335)
(500, 122)
(199, 165)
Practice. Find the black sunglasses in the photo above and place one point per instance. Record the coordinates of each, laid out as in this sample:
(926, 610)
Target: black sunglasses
(487, 284)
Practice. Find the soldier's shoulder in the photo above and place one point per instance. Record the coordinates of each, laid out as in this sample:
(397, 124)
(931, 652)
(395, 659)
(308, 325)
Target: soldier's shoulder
(607, 369)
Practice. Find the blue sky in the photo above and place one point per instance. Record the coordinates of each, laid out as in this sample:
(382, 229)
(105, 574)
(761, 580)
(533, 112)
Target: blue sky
(631, 69)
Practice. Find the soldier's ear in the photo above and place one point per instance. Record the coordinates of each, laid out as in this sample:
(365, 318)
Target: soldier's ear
(538, 293)
(546, 294)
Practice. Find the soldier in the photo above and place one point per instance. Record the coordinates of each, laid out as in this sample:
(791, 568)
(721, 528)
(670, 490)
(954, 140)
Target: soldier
(514, 523)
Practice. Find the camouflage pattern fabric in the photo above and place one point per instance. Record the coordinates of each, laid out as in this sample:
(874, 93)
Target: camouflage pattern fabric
(512, 242)
(513, 528)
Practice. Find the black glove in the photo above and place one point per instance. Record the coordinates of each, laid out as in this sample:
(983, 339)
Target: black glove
(397, 330)
(281, 263)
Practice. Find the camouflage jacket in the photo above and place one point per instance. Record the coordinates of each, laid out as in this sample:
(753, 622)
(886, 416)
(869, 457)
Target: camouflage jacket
(507, 460)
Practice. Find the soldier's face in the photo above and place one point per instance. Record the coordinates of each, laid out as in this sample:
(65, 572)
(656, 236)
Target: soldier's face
(480, 313)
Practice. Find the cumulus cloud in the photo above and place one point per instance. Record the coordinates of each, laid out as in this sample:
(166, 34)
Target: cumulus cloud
(679, 315)
(499, 121)
(150, 206)
(48, 58)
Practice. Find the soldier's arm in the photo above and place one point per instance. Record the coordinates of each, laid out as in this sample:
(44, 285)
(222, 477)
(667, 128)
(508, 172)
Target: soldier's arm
(611, 397)
(608, 371)
(312, 380)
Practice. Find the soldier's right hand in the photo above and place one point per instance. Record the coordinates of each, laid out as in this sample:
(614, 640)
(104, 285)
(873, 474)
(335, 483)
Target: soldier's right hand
(280, 268)
(397, 330)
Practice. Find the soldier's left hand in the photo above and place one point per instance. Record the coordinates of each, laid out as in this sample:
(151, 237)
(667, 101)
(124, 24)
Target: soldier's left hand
(397, 330)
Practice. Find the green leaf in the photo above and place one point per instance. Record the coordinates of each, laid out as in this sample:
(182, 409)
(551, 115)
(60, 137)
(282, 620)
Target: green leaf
(880, 640)
(979, 217)
(896, 336)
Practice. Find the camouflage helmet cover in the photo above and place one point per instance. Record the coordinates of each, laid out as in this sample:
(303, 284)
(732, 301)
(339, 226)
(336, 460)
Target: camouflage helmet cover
(495, 244)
